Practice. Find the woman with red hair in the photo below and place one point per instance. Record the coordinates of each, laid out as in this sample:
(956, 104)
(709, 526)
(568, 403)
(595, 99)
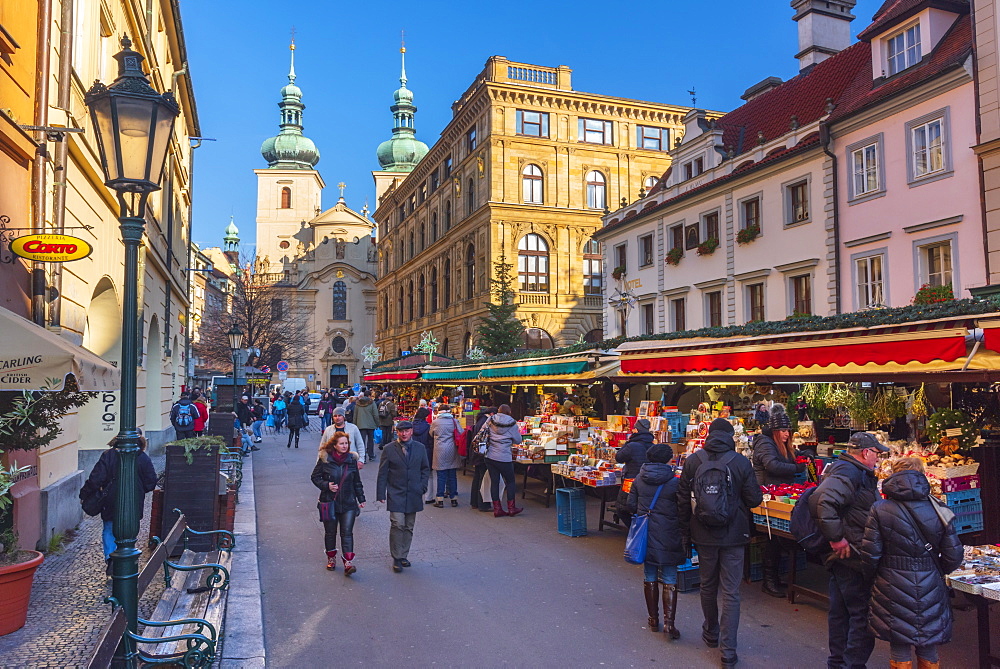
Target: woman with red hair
(341, 496)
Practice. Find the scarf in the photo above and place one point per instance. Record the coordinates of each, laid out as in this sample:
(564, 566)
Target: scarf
(340, 458)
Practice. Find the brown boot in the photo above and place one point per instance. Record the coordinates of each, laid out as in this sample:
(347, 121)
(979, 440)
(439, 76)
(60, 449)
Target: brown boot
(511, 509)
(900, 665)
(927, 664)
(331, 560)
(348, 567)
(651, 589)
(498, 511)
(670, 611)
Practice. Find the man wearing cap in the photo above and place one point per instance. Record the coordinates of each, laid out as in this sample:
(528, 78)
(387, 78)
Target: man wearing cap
(403, 473)
(840, 505)
(340, 424)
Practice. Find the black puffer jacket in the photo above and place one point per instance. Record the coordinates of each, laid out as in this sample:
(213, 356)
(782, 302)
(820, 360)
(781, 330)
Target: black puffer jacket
(633, 453)
(770, 465)
(350, 493)
(665, 546)
(296, 414)
(745, 488)
(842, 502)
(910, 599)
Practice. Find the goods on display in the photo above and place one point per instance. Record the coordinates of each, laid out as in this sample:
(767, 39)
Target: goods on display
(979, 573)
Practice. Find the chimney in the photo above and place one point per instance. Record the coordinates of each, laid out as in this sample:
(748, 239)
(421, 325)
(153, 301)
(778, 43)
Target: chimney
(824, 29)
(760, 88)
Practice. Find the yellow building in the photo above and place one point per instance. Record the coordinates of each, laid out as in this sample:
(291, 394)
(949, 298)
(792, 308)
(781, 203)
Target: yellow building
(524, 171)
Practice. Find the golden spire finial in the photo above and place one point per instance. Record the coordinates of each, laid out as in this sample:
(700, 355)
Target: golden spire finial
(291, 47)
(402, 41)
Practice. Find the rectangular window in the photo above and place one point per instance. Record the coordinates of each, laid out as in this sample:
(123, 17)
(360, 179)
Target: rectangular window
(712, 226)
(935, 263)
(621, 257)
(677, 237)
(447, 167)
(871, 284)
(678, 312)
(864, 165)
(693, 168)
(750, 213)
(755, 301)
(657, 139)
(423, 193)
(595, 132)
(277, 309)
(435, 181)
(801, 287)
(713, 309)
(593, 274)
(413, 202)
(903, 50)
(470, 140)
(648, 319)
(798, 202)
(532, 124)
(645, 251)
(928, 148)
(402, 213)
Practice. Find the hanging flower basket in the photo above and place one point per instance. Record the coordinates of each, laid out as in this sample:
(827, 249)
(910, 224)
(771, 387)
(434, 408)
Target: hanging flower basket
(618, 273)
(748, 234)
(674, 256)
(707, 247)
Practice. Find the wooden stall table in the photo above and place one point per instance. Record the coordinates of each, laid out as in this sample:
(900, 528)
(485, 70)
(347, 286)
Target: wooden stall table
(540, 471)
(605, 493)
(793, 587)
(986, 657)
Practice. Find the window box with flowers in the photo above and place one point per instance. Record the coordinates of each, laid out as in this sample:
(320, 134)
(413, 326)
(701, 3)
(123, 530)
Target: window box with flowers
(707, 247)
(674, 256)
(748, 234)
(618, 273)
(929, 294)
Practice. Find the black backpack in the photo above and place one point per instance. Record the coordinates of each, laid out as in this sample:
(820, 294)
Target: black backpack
(93, 499)
(713, 499)
(383, 409)
(804, 527)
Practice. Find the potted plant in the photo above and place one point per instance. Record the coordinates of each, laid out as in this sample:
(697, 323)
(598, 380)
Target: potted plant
(707, 247)
(674, 256)
(618, 273)
(17, 567)
(929, 294)
(748, 234)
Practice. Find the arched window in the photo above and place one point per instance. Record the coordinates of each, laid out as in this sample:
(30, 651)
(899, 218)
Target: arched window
(434, 227)
(466, 344)
(593, 269)
(533, 264)
(447, 282)
(421, 292)
(409, 311)
(470, 197)
(434, 290)
(596, 190)
(286, 198)
(531, 184)
(423, 238)
(595, 336)
(412, 245)
(444, 347)
(447, 216)
(470, 271)
(400, 320)
(340, 301)
(650, 182)
(537, 338)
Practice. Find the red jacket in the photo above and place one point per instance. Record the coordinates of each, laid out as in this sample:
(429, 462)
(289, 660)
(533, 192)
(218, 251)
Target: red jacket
(199, 421)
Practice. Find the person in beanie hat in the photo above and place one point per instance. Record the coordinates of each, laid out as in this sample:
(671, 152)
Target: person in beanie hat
(664, 550)
(721, 549)
(774, 464)
(633, 456)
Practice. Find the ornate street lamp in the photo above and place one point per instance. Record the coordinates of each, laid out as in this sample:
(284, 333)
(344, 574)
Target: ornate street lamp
(133, 125)
(235, 335)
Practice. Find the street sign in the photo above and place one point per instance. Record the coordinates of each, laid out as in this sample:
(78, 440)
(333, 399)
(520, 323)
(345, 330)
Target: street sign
(282, 366)
(405, 353)
(312, 376)
(265, 369)
(282, 375)
(357, 387)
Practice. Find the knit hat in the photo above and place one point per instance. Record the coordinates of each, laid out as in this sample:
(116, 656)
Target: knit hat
(779, 418)
(721, 425)
(660, 453)
(339, 411)
(642, 425)
(421, 414)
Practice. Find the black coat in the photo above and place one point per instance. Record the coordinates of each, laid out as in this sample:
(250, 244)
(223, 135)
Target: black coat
(633, 453)
(402, 479)
(296, 414)
(245, 413)
(842, 502)
(421, 433)
(664, 545)
(909, 599)
(770, 465)
(351, 491)
(745, 487)
(106, 471)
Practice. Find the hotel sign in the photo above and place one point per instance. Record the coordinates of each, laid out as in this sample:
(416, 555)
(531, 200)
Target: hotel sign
(51, 248)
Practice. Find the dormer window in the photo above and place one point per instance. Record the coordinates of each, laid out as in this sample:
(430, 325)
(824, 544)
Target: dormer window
(693, 168)
(903, 49)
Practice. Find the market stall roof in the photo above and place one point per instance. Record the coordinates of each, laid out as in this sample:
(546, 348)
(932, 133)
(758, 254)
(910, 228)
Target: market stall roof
(393, 376)
(566, 368)
(35, 359)
(943, 345)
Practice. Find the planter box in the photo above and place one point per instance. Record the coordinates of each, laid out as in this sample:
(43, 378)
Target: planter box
(194, 489)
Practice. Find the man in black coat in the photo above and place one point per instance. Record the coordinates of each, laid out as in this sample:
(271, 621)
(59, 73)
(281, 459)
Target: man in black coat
(720, 549)
(403, 473)
(841, 505)
(479, 462)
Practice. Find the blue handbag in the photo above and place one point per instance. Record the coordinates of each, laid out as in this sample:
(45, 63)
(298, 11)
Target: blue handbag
(638, 534)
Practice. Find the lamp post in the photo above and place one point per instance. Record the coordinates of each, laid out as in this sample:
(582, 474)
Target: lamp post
(133, 125)
(235, 344)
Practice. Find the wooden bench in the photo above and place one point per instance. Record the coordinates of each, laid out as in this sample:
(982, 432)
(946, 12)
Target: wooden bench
(186, 624)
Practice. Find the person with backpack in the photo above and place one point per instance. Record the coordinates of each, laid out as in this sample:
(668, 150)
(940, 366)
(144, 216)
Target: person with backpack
(386, 416)
(910, 542)
(182, 416)
(840, 506)
(774, 464)
(480, 482)
(716, 491)
(503, 434)
(296, 420)
(280, 410)
(633, 456)
(655, 492)
(366, 418)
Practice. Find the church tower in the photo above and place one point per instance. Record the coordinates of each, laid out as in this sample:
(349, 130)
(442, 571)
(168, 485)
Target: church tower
(289, 190)
(231, 244)
(403, 151)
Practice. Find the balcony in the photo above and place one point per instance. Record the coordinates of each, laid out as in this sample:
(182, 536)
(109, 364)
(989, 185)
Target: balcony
(593, 301)
(533, 298)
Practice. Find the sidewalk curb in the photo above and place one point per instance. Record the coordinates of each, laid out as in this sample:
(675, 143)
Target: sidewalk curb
(243, 643)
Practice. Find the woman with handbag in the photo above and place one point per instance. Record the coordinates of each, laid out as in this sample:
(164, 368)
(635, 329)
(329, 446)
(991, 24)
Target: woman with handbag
(654, 492)
(340, 499)
(296, 419)
(503, 434)
(911, 546)
(325, 410)
(446, 460)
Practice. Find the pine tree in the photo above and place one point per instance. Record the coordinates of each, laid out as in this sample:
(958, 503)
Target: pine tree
(500, 331)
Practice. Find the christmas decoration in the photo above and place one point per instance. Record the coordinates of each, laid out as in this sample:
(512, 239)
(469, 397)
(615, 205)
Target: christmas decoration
(952, 423)
(428, 343)
(476, 353)
(371, 354)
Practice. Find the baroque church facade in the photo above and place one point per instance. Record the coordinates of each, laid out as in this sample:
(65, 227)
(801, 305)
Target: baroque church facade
(326, 260)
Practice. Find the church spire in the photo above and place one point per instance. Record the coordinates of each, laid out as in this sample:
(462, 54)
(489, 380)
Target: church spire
(404, 150)
(290, 149)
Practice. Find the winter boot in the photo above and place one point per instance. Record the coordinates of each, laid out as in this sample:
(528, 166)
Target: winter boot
(498, 511)
(927, 664)
(331, 560)
(903, 665)
(289, 445)
(770, 584)
(439, 502)
(511, 509)
(651, 589)
(670, 611)
(296, 441)
(348, 567)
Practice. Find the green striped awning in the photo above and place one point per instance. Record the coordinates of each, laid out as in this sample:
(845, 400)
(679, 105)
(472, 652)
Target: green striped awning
(525, 369)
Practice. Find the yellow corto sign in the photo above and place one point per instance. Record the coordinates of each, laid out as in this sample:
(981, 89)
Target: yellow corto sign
(51, 248)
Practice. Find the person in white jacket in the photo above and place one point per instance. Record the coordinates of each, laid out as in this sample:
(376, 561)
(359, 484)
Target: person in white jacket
(446, 457)
(504, 433)
(340, 424)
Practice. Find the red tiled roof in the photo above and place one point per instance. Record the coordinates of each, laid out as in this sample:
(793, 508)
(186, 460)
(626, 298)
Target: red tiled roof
(894, 12)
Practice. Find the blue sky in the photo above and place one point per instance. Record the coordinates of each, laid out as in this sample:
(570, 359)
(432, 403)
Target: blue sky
(347, 62)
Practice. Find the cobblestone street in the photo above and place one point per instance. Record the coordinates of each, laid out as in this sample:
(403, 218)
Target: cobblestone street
(67, 608)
